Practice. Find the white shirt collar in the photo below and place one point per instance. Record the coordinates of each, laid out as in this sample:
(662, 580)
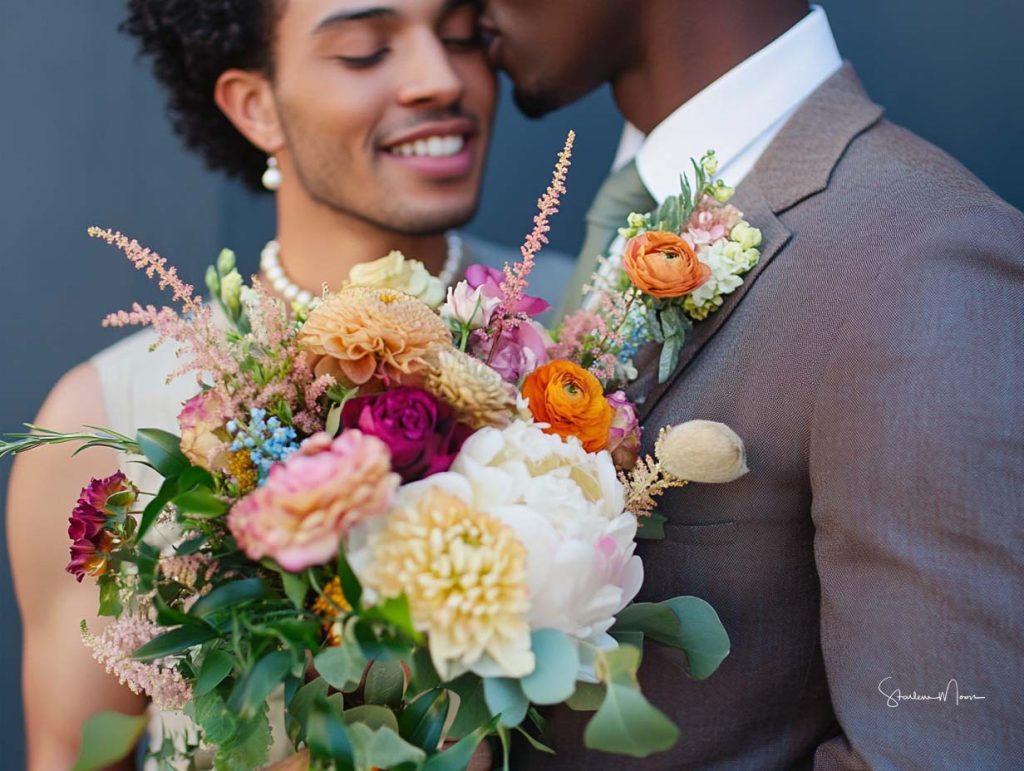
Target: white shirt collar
(740, 113)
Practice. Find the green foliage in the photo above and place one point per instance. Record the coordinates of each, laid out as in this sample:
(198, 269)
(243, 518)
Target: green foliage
(251, 692)
(250, 747)
(422, 722)
(328, 738)
(457, 757)
(627, 723)
(473, 710)
(230, 596)
(702, 635)
(587, 697)
(110, 601)
(200, 502)
(381, 747)
(107, 738)
(174, 642)
(554, 678)
(168, 489)
(210, 712)
(14, 444)
(651, 527)
(341, 666)
(385, 683)
(505, 698)
(217, 665)
(163, 452)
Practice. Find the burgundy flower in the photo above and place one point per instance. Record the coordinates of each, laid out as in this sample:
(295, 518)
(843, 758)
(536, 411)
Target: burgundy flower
(490, 279)
(422, 433)
(91, 541)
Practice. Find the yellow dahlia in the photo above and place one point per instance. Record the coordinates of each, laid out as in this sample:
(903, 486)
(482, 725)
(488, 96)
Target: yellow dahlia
(358, 333)
(475, 391)
(464, 574)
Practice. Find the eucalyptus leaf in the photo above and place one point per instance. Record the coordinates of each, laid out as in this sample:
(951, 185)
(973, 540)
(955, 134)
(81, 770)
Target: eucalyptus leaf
(371, 715)
(654, 620)
(163, 451)
(385, 683)
(381, 747)
(702, 635)
(301, 705)
(587, 697)
(628, 724)
(505, 698)
(553, 680)
(341, 666)
(669, 358)
(107, 738)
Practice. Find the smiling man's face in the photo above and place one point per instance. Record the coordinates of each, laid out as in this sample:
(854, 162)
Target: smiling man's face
(386, 106)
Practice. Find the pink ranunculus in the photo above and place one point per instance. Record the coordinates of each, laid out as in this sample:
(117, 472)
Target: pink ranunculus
(422, 433)
(203, 437)
(87, 526)
(520, 351)
(489, 280)
(308, 503)
(624, 437)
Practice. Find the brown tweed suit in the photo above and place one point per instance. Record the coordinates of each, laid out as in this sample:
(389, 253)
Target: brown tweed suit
(874, 364)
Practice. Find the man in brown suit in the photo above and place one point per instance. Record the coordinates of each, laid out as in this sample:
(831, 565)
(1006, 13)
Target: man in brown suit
(873, 362)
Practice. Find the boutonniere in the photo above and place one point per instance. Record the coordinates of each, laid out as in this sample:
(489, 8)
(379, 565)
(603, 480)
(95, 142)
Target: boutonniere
(676, 267)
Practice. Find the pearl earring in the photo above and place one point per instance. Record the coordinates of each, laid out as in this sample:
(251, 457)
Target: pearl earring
(272, 176)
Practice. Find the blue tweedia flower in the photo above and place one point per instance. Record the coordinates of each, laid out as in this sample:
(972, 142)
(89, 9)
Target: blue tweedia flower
(268, 441)
(635, 333)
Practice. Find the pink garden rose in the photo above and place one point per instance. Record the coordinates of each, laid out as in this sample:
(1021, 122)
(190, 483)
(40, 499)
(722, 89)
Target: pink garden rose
(624, 438)
(313, 499)
(203, 437)
(422, 433)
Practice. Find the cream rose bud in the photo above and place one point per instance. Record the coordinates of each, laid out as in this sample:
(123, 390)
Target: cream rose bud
(702, 451)
(394, 271)
(469, 307)
(203, 438)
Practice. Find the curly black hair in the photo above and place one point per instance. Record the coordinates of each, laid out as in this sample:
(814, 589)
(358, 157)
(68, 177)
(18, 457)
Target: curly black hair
(192, 42)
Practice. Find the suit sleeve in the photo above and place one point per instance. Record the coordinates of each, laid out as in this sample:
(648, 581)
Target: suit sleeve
(917, 472)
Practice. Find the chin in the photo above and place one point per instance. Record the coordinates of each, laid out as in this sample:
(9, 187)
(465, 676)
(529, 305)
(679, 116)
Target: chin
(429, 221)
(536, 103)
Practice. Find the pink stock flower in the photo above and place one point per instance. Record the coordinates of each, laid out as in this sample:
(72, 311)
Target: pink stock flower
(625, 434)
(518, 352)
(92, 542)
(310, 501)
(489, 281)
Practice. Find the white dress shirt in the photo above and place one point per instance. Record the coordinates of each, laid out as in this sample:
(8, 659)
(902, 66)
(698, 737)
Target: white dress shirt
(739, 114)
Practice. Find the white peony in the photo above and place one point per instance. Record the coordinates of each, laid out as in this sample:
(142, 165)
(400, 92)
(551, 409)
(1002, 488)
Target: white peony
(566, 506)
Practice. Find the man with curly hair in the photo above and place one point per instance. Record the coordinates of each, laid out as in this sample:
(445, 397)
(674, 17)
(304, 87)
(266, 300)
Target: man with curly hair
(370, 123)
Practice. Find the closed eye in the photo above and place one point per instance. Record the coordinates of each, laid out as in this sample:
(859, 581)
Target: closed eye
(362, 62)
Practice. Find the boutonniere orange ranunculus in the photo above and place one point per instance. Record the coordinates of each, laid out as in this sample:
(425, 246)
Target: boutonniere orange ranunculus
(664, 265)
(571, 400)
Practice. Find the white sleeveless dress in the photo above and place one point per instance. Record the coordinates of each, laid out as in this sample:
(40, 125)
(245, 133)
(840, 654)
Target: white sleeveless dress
(136, 394)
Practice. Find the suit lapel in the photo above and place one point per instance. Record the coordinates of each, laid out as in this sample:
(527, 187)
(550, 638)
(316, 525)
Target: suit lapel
(797, 165)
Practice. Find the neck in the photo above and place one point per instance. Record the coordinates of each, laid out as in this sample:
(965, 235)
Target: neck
(319, 245)
(683, 52)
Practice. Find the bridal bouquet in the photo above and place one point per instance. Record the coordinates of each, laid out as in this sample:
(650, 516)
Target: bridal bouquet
(411, 525)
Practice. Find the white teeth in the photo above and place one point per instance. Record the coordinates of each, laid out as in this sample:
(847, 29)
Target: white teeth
(432, 147)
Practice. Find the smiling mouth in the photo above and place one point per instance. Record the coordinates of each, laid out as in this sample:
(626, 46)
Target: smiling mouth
(438, 146)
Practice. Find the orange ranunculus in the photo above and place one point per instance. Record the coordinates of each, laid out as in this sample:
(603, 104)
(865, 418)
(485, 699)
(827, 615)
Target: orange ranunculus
(571, 401)
(663, 265)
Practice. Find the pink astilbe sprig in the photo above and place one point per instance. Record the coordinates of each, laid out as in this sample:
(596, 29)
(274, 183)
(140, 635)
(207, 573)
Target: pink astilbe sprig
(160, 679)
(154, 265)
(516, 280)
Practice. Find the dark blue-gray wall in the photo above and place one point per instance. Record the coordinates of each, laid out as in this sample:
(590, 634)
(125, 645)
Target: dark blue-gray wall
(84, 140)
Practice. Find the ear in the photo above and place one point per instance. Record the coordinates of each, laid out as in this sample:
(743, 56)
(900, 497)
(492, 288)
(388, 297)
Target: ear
(247, 100)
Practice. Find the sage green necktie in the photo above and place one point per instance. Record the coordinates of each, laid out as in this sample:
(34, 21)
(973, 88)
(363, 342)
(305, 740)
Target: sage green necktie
(621, 194)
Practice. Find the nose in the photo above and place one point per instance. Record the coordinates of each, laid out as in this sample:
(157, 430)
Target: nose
(429, 78)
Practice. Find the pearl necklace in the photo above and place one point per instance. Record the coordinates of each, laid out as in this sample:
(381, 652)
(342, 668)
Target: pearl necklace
(270, 265)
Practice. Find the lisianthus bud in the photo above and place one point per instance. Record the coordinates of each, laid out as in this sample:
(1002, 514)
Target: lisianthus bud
(469, 307)
(231, 291)
(225, 262)
(702, 451)
(710, 163)
(624, 436)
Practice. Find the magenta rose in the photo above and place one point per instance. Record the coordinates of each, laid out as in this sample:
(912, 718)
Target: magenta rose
(489, 279)
(422, 433)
